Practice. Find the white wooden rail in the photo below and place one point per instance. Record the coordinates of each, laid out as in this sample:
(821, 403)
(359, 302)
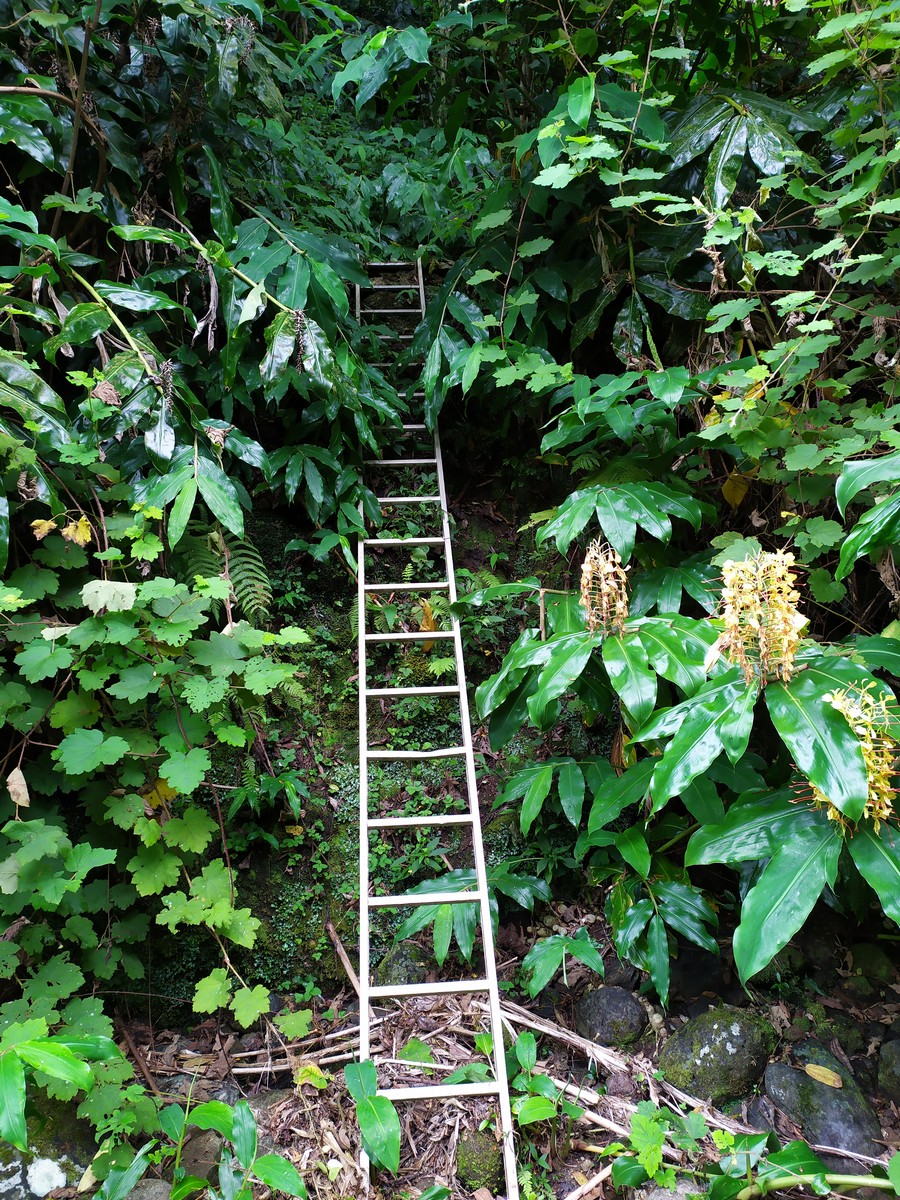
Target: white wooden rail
(486, 986)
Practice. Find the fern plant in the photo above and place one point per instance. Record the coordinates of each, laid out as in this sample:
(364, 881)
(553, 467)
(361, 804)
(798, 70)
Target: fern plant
(235, 559)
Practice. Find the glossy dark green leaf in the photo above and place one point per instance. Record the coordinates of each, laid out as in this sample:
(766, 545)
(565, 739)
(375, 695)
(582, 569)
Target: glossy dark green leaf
(580, 99)
(858, 474)
(618, 792)
(698, 129)
(632, 845)
(568, 658)
(877, 528)
(656, 950)
(877, 857)
(12, 1101)
(691, 304)
(281, 339)
(754, 827)
(725, 161)
(279, 1175)
(784, 895)
(628, 329)
(361, 1079)
(684, 909)
(160, 439)
(627, 664)
(4, 531)
(221, 495)
(570, 783)
(443, 931)
(878, 652)
(220, 212)
(822, 743)
(533, 801)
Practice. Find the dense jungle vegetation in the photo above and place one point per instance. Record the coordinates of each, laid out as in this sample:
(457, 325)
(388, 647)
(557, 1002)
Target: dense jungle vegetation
(666, 235)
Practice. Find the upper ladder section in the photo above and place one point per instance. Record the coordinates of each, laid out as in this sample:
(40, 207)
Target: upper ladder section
(407, 564)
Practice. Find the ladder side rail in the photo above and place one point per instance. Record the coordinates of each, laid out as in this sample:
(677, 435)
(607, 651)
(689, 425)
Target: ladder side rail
(487, 930)
(364, 950)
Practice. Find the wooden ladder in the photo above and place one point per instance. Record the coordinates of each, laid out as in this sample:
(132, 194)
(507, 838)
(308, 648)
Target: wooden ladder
(422, 468)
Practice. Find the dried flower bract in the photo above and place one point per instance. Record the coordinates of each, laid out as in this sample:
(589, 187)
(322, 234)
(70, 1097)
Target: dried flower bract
(762, 621)
(604, 594)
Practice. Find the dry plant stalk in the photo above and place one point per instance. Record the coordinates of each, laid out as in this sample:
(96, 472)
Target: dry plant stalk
(604, 594)
(762, 621)
(868, 717)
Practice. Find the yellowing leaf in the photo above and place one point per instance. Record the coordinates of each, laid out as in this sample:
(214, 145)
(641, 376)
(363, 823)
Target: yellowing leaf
(78, 531)
(824, 1075)
(312, 1074)
(427, 623)
(159, 794)
(734, 489)
(42, 528)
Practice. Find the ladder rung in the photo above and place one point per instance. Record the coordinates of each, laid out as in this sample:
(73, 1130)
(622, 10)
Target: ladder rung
(461, 988)
(414, 755)
(417, 899)
(439, 1091)
(400, 462)
(395, 264)
(414, 426)
(414, 822)
(437, 690)
(409, 499)
(414, 541)
(390, 312)
(391, 287)
(411, 635)
(407, 587)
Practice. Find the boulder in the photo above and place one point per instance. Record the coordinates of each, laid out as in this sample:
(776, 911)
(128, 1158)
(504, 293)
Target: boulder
(201, 1154)
(719, 1055)
(479, 1160)
(828, 1116)
(889, 1071)
(150, 1189)
(610, 1016)
(403, 963)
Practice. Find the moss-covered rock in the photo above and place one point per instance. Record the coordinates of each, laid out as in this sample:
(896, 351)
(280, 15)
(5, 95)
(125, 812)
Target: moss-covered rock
(403, 963)
(830, 1116)
(479, 1160)
(719, 1055)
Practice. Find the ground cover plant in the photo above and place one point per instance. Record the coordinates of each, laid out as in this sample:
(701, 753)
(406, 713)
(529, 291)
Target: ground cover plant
(666, 243)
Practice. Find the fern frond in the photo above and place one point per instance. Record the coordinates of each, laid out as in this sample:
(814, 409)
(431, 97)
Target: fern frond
(441, 666)
(249, 578)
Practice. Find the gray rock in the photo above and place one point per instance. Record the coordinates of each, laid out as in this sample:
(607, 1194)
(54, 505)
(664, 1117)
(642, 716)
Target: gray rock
(610, 1016)
(150, 1189)
(889, 1071)
(839, 1117)
(403, 963)
(719, 1055)
(202, 1153)
(621, 974)
(871, 961)
(683, 1190)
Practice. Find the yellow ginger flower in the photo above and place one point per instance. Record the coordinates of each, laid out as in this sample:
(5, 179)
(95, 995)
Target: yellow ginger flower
(604, 595)
(762, 621)
(868, 717)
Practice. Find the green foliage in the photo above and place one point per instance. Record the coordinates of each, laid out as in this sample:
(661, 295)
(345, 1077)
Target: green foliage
(379, 1124)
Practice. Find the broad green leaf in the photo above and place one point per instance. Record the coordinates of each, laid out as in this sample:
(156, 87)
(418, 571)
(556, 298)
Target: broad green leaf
(754, 827)
(56, 1060)
(221, 495)
(120, 1182)
(213, 1114)
(657, 956)
(570, 784)
(533, 801)
(696, 744)
(379, 1126)
(632, 845)
(569, 656)
(213, 991)
(279, 1175)
(244, 1134)
(580, 100)
(877, 856)
(725, 161)
(627, 664)
(526, 1051)
(248, 1004)
(361, 1079)
(85, 750)
(823, 745)
(443, 931)
(877, 528)
(618, 792)
(784, 895)
(535, 1108)
(181, 512)
(12, 1101)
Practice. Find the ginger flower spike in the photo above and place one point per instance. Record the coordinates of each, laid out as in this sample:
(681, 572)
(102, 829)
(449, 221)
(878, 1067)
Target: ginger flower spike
(759, 610)
(604, 595)
(868, 716)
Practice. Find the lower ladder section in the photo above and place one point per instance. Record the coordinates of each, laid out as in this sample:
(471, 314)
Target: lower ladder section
(411, 564)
